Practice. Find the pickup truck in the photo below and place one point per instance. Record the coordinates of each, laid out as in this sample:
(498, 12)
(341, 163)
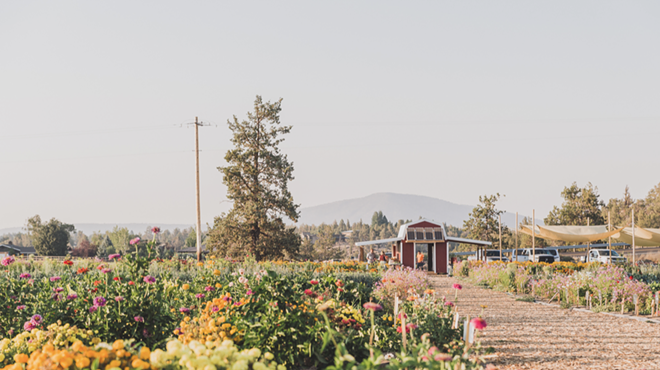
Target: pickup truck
(536, 255)
(492, 255)
(603, 256)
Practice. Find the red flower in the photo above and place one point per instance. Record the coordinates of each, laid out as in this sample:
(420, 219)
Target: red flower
(131, 283)
(95, 290)
(310, 293)
(68, 263)
(340, 289)
(100, 267)
(630, 277)
(96, 282)
(82, 270)
(314, 282)
(339, 283)
(116, 278)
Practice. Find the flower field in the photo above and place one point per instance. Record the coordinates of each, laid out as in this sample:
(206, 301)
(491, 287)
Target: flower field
(610, 287)
(221, 314)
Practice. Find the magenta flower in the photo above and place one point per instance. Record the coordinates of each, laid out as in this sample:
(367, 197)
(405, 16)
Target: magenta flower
(119, 298)
(139, 318)
(21, 307)
(55, 278)
(25, 275)
(478, 323)
(135, 240)
(200, 295)
(7, 261)
(457, 286)
(56, 296)
(450, 304)
(209, 288)
(184, 310)
(114, 256)
(28, 326)
(149, 279)
(215, 308)
(71, 297)
(372, 306)
(58, 289)
(99, 301)
(155, 229)
(105, 271)
(249, 292)
(93, 309)
(37, 318)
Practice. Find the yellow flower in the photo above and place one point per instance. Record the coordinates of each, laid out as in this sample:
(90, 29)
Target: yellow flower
(118, 344)
(216, 272)
(21, 358)
(218, 285)
(185, 287)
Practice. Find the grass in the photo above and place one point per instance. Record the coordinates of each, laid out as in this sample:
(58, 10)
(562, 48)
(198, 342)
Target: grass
(526, 298)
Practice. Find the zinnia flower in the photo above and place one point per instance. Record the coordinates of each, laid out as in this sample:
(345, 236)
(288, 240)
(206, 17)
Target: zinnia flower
(114, 256)
(105, 271)
(119, 298)
(21, 307)
(149, 279)
(68, 263)
(37, 318)
(249, 292)
(372, 306)
(155, 229)
(457, 286)
(99, 301)
(184, 310)
(82, 270)
(134, 241)
(215, 308)
(72, 296)
(8, 261)
(478, 323)
(139, 318)
(209, 288)
(58, 289)
(54, 278)
(25, 275)
(314, 282)
(93, 309)
(200, 295)
(28, 326)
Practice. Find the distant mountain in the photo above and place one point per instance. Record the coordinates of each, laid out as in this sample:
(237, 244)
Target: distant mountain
(90, 228)
(394, 207)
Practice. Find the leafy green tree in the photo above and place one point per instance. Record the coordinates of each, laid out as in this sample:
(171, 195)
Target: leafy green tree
(257, 176)
(378, 219)
(650, 212)
(620, 209)
(483, 223)
(49, 239)
(120, 237)
(191, 240)
(579, 205)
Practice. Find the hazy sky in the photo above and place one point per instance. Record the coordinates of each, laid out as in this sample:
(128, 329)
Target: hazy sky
(446, 99)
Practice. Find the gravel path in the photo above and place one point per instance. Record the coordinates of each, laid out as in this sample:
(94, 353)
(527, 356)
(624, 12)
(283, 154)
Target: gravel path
(534, 336)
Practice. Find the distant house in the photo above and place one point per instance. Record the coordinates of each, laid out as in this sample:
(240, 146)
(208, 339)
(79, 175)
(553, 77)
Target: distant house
(309, 236)
(9, 249)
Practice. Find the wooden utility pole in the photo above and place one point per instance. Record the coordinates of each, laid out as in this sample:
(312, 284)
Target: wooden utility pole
(516, 245)
(199, 213)
(499, 219)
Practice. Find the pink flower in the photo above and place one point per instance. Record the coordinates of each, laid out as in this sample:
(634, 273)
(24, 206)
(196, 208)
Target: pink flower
(55, 278)
(457, 286)
(184, 310)
(249, 292)
(478, 323)
(209, 288)
(105, 271)
(7, 261)
(215, 308)
(200, 295)
(372, 306)
(134, 241)
(21, 307)
(149, 279)
(119, 298)
(114, 256)
(442, 357)
(314, 282)
(139, 318)
(155, 229)
(450, 304)
(25, 275)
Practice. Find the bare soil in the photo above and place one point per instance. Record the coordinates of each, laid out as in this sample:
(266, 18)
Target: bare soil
(528, 335)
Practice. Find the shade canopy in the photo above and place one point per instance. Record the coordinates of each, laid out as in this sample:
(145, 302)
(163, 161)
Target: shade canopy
(643, 237)
(574, 234)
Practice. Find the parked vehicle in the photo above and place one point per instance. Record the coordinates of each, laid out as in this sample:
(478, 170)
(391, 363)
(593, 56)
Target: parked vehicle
(554, 252)
(603, 256)
(492, 255)
(534, 255)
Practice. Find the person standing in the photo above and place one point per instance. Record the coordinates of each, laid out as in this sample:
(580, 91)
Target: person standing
(371, 257)
(420, 260)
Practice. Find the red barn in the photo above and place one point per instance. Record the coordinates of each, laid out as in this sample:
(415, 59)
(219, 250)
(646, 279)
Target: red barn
(426, 236)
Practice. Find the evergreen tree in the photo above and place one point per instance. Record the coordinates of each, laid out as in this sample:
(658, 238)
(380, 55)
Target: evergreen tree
(579, 205)
(257, 176)
(483, 222)
(49, 239)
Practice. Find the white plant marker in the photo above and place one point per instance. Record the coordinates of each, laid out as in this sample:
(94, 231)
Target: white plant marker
(472, 329)
(396, 306)
(657, 303)
(635, 299)
(586, 299)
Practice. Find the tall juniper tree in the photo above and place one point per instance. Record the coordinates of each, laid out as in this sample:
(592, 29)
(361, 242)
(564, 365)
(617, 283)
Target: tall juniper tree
(257, 176)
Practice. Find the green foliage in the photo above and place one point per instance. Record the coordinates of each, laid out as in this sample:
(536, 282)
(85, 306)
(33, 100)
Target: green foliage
(483, 223)
(257, 176)
(579, 205)
(49, 239)
(378, 219)
(119, 238)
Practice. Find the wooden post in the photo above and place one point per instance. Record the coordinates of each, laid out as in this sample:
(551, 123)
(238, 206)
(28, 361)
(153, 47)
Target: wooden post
(609, 238)
(657, 303)
(588, 243)
(633, 237)
(396, 306)
(586, 299)
(635, 301)
(403, 328)
(499, 220)
(533, 235)
(199, 217)
(466, 328)
(517, 226)
(623, 302)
